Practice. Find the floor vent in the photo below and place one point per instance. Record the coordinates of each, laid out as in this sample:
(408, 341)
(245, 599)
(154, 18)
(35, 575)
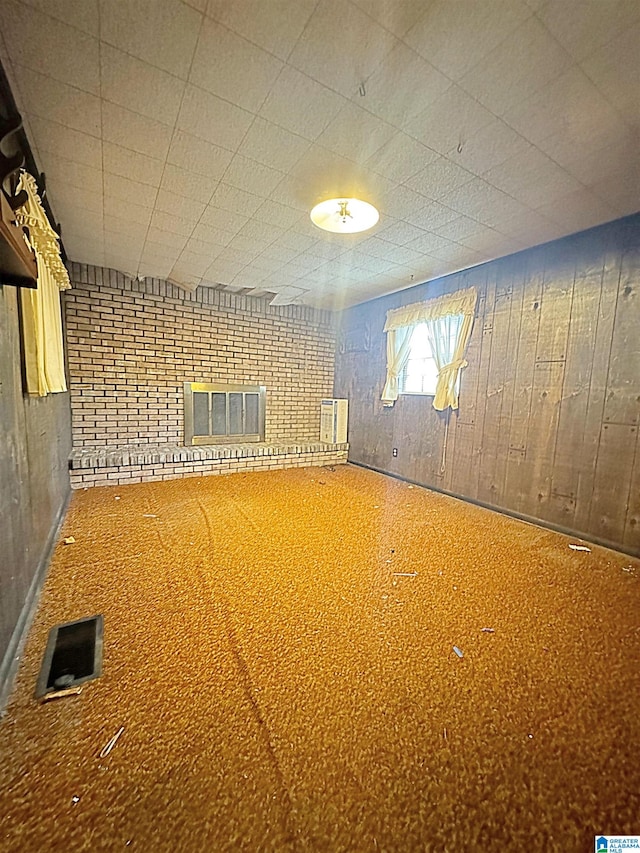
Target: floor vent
(73, 655)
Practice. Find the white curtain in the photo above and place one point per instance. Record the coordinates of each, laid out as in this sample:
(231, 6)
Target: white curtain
(398, 349)
(448, 337)
(449, 320)
(41, 310)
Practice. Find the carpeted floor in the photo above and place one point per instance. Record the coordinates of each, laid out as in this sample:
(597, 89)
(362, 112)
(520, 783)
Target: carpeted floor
(286, 681)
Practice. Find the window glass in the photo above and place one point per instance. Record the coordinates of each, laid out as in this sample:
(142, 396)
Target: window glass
(219, 405)
(200, 413)
(420, 375)
(235, 414)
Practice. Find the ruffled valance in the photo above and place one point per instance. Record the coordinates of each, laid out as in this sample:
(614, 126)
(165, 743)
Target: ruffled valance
(42, 237)
(461, 302)
(41, 315)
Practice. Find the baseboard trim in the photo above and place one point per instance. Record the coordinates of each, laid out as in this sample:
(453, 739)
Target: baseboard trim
(9, 664)
(529, 519)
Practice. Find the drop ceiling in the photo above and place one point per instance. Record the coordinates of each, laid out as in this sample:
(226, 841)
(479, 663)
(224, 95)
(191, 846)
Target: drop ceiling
(189, 140)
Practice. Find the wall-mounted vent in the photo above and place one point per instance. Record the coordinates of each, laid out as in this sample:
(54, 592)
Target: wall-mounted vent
(219, 414)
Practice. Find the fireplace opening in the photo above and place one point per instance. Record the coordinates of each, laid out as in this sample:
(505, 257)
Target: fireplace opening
(218, 414)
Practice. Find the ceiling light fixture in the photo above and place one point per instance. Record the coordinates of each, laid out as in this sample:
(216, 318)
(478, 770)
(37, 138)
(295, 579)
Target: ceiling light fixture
(344, 215)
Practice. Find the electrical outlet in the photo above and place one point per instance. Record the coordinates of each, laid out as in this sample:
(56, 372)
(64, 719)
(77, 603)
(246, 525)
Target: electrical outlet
(394, 452)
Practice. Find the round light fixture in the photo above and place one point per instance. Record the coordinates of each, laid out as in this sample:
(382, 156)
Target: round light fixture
(344, 215)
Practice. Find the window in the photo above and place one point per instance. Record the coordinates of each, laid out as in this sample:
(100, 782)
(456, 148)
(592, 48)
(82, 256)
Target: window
(420, 373)
(216, 414)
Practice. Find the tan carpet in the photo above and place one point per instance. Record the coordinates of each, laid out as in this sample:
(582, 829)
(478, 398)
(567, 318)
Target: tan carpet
(281, 688)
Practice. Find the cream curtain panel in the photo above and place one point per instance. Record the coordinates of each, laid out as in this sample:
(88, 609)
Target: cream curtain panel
(41, 311)
(449, 320)
(398, 348)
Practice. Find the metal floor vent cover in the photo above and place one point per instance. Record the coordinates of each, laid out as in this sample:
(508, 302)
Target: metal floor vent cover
(73, 655)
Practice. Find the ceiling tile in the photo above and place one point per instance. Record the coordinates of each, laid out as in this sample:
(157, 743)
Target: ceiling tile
(489, 147)
(482, 201)
(433, 215)
(620, 191)
(236, 200)
(341, 56)
(213, 119)
(261, 231)
(225, 220)
(271, 145)
(278, 214)
(275, 26)
(154, 268)
(460, 228)
(65, 208)
(434, 245)
(402, 86)
(189, 263)
(453, 118)
(138, 86)
(125, 233)
(393, 16)
(194, 246)
(50, 47)
(232, 68)
(316, 105)
(280, 253)
(520, 170)
(68, 197)
(212, 235)
(167, 239)
(299, 242)
(553, 184)
(323, 174)
(516, 69)
(134, 131)
(129, 190)
(401, 157)
(92, 224)
(571, 103)
(248, 246)
(615, 70)
(355, 134)
(610, 161)
(247, 219)
(47, 98)
(186, 183)
(400, 232)
(161, 32)
(65, 142)
(439, 178)
(82, 14)
(117, 208)
(584, 28)
(478, 28)
(196, 155)
(186, 208)
(62, 171)
(577, 210)
(402, 203)
(171, 223)
(129, 164)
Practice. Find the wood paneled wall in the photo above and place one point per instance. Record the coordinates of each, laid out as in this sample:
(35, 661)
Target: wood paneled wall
(550, 401)
(34, 484)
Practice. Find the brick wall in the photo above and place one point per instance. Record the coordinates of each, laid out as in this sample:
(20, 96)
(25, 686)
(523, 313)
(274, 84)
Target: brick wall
(132, 344)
